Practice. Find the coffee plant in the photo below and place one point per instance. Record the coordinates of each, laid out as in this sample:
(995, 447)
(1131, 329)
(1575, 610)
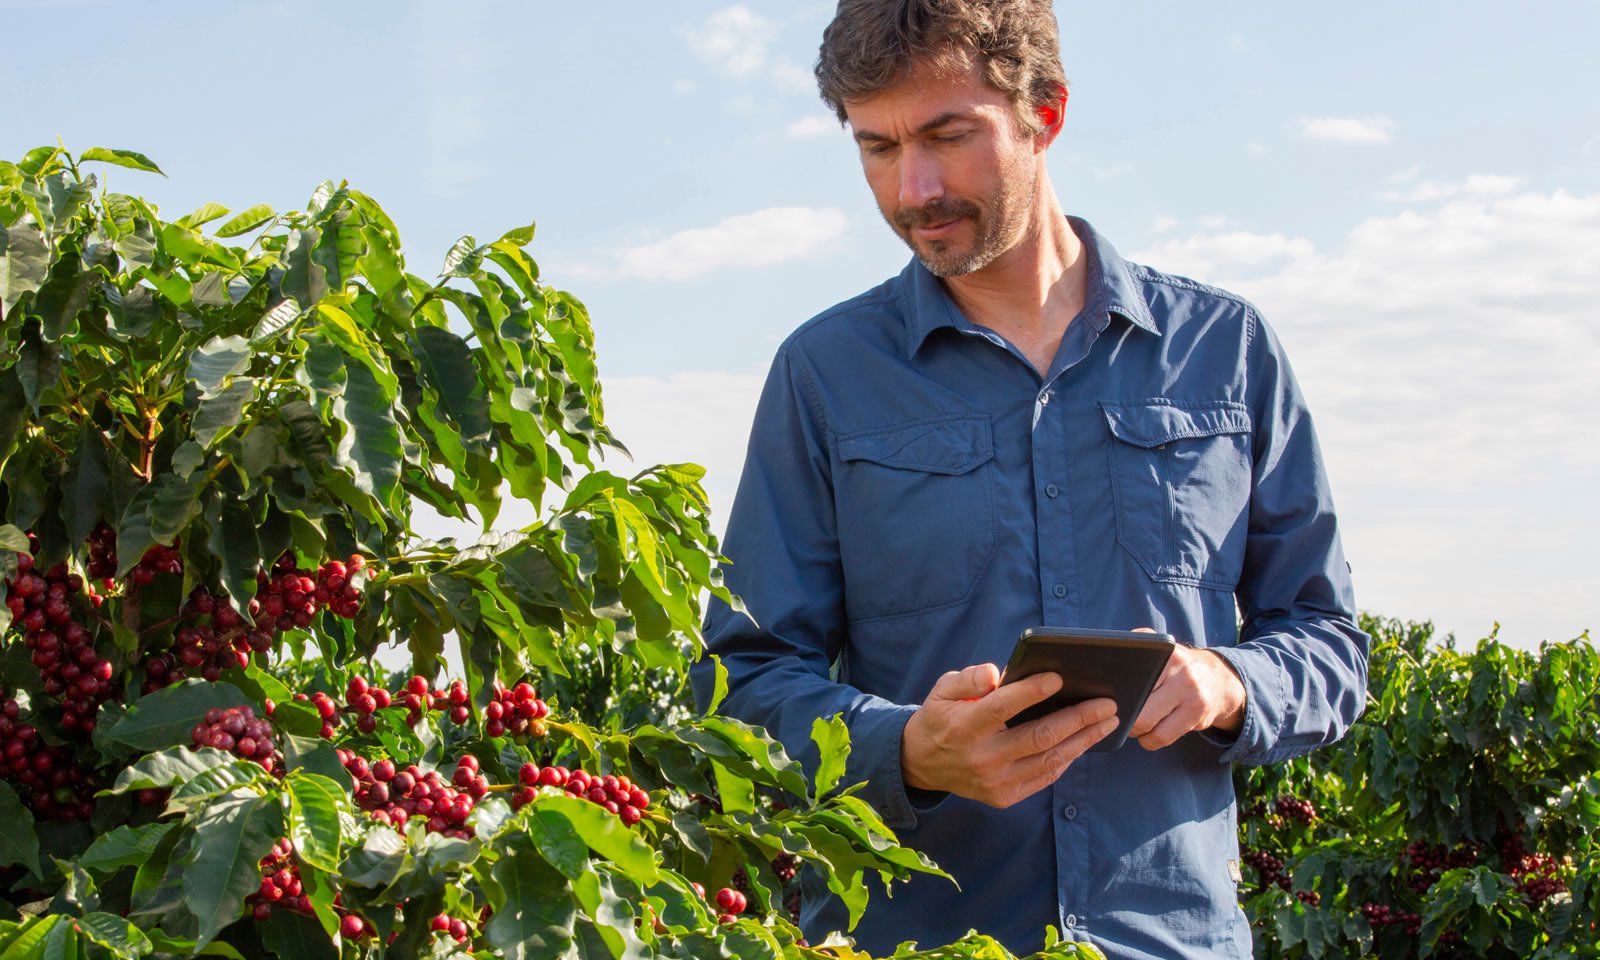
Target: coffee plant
(1458, 818)
(216, 437)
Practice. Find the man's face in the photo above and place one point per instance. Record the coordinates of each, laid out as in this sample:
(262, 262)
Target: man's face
(947, 166)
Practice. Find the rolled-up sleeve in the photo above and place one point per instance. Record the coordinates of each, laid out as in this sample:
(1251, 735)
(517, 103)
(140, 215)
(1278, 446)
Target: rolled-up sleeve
(783, 552)
(1301, 655)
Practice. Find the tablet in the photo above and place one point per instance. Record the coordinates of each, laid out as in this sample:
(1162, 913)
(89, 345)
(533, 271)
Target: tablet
(1119, 664)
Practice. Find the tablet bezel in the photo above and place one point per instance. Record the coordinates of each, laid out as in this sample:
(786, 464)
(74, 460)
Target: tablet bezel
(1085, 659)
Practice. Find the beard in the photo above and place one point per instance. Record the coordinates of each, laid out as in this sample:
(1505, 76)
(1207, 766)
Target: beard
(997, 226)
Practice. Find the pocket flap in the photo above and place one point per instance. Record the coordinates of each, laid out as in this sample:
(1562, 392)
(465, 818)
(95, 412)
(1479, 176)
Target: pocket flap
(1151, 423)
(949, 445)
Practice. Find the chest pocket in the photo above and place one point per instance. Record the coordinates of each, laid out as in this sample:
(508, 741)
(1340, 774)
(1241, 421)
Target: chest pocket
(916, 514)
(1180, 480)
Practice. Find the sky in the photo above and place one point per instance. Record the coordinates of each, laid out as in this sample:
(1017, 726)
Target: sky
(1409, 192)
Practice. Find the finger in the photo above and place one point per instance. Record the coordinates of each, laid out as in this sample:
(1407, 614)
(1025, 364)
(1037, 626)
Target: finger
(1042, 770)
(969, 684)
(1164, 698)
(1174, 726)
(1013, 698)
(1038, 737)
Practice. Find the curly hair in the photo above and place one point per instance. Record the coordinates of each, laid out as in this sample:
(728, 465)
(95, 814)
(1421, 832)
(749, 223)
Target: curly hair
(1015, 42)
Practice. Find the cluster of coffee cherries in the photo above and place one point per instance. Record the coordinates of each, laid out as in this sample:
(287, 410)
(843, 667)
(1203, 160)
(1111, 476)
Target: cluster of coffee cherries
(1539, 876)
(61, 647)
(396, 796)
(517, 711)
(157, 559)
(1293, 808)
(1268, 867)
(457, 928)
(1428, 862)
(1383, 915)
(618, 795)
(280, 884)
(238, 730)
(213, 638)
(288, 598)
(53, 785)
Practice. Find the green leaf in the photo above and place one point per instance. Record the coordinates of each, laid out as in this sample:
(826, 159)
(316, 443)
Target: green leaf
(462, 258)
(446, 362)
(832, 737)
(122, 158)
(289, 935)
(168, 768)
(219, 414)
(125, 846)
(218, 360)
(246, 220)
(30, 944)
(165, 718)
(371, 442)
(719, 688)
(605, 834)
(315, 806)
(24, 262)
(533, 910)
(558, 842)
(275, 321)
(115, 933)
(205, 214)
(19, 843)
(238, 830)
(234, 541)
(13, 539)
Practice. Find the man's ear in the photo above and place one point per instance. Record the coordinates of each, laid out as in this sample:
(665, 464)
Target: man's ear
(1053, 115)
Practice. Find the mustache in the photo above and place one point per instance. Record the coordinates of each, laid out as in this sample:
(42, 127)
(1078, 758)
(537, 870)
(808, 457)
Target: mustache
(939, 211)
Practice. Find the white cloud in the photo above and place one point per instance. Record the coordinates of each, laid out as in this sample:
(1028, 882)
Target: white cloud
(1347, 129)
(1206, 255)
(1163, 224)
(1449, 351)
(793, 76)
(1257, 150)
(1238, 44)
(1113, 172)
(690, 417)
(734, 39)
(759, 239)
(1430, 191)
(682, 87)
(812, 126)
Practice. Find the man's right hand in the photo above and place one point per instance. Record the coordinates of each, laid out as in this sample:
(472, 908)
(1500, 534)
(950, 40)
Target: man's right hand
(958, 741)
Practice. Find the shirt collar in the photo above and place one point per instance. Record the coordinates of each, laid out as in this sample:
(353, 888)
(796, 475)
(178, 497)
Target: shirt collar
(1111, 289)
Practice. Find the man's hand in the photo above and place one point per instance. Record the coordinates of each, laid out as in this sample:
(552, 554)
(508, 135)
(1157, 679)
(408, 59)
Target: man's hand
(1198, 690)
(958, 741)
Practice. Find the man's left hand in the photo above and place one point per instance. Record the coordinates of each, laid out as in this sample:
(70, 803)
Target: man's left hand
(1198, 690)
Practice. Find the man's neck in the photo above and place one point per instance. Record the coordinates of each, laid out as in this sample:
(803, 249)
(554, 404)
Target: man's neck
(1031, 292)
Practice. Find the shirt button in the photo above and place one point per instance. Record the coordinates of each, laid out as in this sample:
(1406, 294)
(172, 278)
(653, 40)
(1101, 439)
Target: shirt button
(1060, 590)
(1072, 919)
(1044, 398)
(1071, 812)
(1050, 490)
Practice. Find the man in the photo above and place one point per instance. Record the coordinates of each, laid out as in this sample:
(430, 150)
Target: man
(1022, 428)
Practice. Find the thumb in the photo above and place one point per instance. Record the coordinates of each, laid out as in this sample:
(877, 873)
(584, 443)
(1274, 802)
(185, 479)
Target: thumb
(978, 680)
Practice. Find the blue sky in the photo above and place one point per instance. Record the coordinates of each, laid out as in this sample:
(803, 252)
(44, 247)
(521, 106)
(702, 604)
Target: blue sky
(1411, 193)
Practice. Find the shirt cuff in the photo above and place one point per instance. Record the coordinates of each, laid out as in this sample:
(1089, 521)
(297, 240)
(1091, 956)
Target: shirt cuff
(875, 737)
(1263, 685)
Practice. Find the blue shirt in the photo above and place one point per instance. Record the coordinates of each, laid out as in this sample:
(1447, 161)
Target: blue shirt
(916, 494)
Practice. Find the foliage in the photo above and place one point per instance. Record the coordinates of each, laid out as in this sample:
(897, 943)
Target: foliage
(216, 437)
(1457, 819)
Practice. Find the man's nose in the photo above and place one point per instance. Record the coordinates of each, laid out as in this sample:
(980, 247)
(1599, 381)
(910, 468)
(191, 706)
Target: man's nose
(920, 181)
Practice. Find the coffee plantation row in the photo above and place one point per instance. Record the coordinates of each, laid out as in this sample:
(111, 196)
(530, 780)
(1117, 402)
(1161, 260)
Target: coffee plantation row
(214, 432)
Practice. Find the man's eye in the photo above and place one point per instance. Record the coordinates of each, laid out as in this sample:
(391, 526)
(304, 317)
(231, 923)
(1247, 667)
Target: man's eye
(951, 138)
(879, 149)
